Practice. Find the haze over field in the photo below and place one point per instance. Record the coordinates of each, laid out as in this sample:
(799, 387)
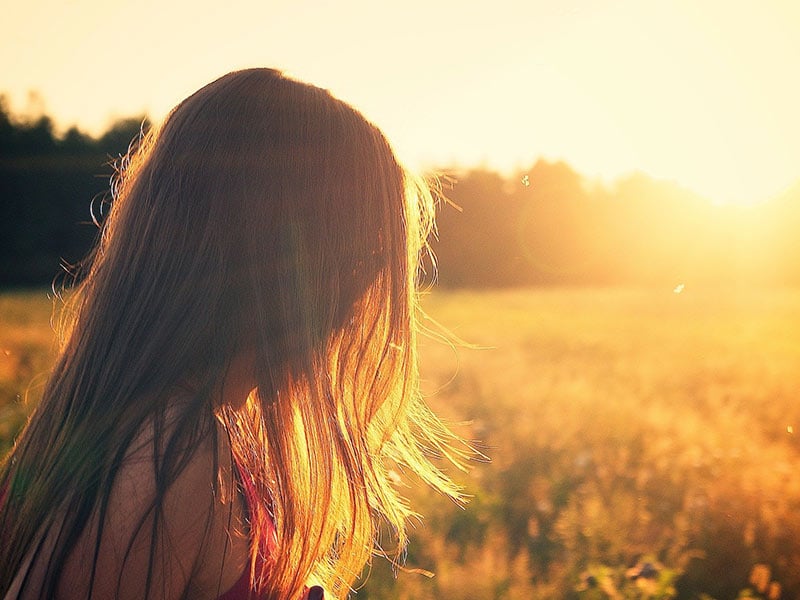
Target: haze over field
(702, 93)
(626, 428)
(620, 252)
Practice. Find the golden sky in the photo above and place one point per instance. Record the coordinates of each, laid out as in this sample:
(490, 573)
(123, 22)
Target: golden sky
(703, 92)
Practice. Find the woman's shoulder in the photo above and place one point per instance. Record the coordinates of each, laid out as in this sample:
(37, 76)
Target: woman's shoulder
(186, 536)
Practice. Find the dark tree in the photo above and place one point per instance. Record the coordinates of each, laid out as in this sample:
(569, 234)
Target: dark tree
(47, 184)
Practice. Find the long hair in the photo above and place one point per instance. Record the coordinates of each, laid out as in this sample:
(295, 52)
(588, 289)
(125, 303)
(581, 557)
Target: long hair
(263, 216)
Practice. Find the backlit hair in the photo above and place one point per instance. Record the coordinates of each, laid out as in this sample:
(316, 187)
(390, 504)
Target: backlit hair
(266, 217)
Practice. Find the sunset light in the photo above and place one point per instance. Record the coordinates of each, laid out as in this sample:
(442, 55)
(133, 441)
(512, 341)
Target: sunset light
(701, 93)
(577, 242)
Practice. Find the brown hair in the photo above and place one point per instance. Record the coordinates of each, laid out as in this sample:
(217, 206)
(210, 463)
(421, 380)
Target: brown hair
(264, 216)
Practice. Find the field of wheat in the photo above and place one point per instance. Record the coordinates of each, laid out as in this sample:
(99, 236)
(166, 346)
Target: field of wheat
(642, 443)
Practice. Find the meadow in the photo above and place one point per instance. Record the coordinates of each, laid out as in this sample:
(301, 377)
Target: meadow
(642, 442)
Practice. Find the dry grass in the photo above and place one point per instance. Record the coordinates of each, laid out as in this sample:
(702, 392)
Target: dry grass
(27, 348)
(625, 426)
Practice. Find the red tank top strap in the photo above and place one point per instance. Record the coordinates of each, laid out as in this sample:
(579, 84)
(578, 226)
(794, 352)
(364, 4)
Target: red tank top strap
(243, 589)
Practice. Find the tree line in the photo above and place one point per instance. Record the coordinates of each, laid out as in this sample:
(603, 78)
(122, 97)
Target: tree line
(543, 225)
(549, 225)
(49, 184)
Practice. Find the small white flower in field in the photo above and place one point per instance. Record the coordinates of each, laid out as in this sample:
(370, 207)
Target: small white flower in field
(526, 181)
(679, 288)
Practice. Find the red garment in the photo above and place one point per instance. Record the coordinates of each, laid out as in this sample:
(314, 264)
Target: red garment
(243, 588)
(240, 590)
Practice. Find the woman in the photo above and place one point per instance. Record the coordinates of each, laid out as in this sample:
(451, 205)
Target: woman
(239, 376)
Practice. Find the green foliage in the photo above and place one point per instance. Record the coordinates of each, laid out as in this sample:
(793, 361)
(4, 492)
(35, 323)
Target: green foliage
(647, 580)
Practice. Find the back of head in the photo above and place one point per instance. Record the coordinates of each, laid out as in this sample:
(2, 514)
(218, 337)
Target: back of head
(263, 211)
(264, 219)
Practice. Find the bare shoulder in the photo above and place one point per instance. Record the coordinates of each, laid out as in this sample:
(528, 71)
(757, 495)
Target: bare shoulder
(192, 543)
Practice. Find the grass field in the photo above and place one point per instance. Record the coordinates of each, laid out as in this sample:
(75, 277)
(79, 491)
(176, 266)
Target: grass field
(643, 443)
